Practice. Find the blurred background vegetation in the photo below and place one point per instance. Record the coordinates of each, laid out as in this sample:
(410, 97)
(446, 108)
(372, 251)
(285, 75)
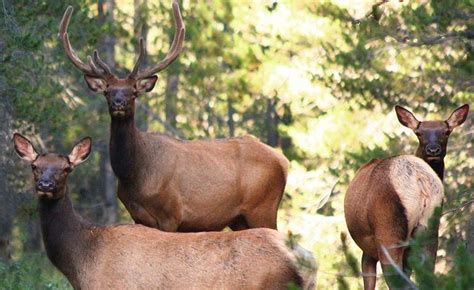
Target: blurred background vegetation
(315, 79)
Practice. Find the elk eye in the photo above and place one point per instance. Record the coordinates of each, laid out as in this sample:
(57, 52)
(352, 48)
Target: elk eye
(418, 133)
(68, 169)
(33, 167)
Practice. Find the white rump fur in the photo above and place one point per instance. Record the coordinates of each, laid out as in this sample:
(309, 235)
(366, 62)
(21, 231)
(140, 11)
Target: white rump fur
(418, 187)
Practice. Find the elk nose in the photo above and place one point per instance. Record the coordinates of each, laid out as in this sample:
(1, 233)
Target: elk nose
(45, 185)
(433, 149)
(118, 102)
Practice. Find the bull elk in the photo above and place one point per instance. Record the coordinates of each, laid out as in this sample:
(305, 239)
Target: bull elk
(139, 257)
(176, 185)
(391, 200)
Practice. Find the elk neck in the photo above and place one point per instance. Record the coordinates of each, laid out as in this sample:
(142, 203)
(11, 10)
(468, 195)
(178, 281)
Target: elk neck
(437, 166)
(68, 240)
(126, 147)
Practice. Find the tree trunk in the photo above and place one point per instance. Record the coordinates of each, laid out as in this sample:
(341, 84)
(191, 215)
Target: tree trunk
(470, 230)
(108, 178)
(230, 118)
(170, 97)
(33, 243)
(111, 215)
(108, 43)
(140, 29)
(140, 23)
(272, 123)
(6, 196)
(172, 80)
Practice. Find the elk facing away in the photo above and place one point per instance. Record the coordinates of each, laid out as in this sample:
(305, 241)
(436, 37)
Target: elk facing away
(139, 257)
(391, 200)
(177, 185)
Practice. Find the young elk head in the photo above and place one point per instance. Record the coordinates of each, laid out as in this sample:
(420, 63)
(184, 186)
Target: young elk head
(50, 171)
(432, 135)
(121, 93)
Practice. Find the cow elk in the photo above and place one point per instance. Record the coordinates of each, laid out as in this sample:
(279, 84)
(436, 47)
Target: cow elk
(386, 203)
(176, 185)
(391, 200)
(433, 135)
(139, 257)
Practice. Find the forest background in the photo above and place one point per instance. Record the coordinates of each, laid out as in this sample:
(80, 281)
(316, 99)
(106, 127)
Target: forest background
(317, 80)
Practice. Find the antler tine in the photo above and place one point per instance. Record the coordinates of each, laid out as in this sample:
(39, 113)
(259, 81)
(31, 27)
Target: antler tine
(102, 64)
(73, 57)
(89, 69)
(93, 66)
(176, 46)
(141, 56)
(63, 25)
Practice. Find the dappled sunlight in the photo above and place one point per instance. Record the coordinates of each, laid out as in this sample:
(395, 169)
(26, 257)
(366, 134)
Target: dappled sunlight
(317, 80)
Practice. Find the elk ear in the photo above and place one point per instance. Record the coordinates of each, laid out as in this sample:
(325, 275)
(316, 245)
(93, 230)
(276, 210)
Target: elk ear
(96, 84)
(458, 116)
(406, 118)
(146, 84)
(24, 148)
(80, 151)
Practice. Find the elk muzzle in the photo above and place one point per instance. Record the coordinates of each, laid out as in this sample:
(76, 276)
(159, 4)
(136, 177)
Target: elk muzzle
(45, 185)
(118, 105)
(45, 188)
(433, 150)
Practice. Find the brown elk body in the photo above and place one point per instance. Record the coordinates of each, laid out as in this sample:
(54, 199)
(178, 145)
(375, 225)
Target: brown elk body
(390, 200)
(139, 257)
(176, 185)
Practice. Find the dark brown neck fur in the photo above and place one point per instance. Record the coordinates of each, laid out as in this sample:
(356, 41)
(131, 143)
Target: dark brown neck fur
(124, 148)
(67, 238)
(438, 166)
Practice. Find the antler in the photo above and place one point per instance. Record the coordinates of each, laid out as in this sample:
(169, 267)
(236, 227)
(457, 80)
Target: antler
(89, 69)
(176, 47)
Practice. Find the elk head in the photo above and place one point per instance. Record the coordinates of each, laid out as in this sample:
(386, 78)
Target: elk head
(121, 93)
(432, 135)
(50, 171)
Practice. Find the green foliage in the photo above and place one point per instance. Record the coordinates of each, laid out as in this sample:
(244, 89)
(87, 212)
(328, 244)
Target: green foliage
(33, 271)
(460, 275)
(303, 76)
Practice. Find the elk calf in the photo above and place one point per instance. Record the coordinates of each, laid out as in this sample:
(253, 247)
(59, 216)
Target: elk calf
(176, 185)
(139, 257)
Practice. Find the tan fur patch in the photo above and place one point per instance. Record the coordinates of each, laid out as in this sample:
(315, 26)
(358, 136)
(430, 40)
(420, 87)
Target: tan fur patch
(419, 188)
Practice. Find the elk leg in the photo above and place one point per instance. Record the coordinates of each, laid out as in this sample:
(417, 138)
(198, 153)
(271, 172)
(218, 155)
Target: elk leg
(264, 215)
(395, 255)
(406, 267)
(239, 224)
(168, 225)
(369, 271)
(430, 248)
(261, 218)
(141, 216)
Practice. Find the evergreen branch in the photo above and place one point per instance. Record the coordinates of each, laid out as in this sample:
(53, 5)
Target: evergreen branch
(397, 269)
(374, 12)
(462, 206)
(441, 38)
